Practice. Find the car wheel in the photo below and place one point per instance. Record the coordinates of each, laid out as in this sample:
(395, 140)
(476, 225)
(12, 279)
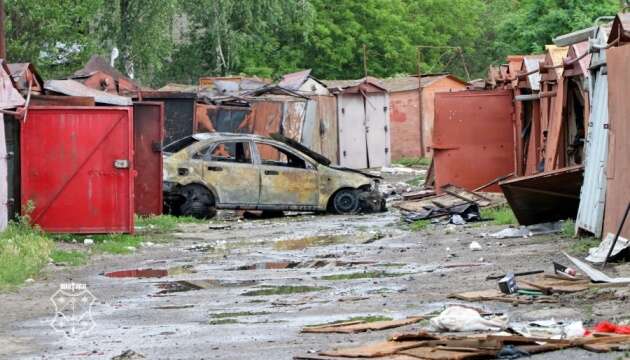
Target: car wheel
(346, 202)
(198, 203)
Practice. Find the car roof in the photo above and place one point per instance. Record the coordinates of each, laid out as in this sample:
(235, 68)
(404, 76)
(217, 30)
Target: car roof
(228, 136)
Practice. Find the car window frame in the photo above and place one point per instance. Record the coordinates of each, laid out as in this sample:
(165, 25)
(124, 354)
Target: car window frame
(309, 164)
(209, 148)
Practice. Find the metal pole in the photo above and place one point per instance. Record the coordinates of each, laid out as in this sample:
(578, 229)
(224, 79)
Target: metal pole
(612, 247)
(420, 117)
(3, 49)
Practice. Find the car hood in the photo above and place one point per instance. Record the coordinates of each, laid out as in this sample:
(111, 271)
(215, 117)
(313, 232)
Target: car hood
(364, 173)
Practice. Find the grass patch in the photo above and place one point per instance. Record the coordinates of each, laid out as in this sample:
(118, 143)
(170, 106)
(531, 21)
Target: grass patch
(24, 251)
(72, 258)
(413, 161)
(364, 319)
(415, 181)
(581, 245)
(222, 322)
(164, 223)
(419, 225)
(500, 215)
(283, 290)
(116, 243)
(238, 314)
(568, 228)
(362, 275)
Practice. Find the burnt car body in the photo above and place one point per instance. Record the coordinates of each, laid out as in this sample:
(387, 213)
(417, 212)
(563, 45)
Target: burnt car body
(210, 171)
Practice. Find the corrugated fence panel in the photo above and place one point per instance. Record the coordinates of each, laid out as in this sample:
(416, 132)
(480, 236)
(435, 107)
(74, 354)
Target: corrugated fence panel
(327, 118)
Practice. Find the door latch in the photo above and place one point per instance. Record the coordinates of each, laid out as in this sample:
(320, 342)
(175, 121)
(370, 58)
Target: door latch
(121, 164)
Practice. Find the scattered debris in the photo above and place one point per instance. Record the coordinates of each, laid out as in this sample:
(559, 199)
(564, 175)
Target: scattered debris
(496, 295)
(457, 318)
(138, 273)
(128, 355)
(608, 327)
(598, 255)
(550, 329)
(475, 246)
(596, 275)
(350, 327)
(527, 231)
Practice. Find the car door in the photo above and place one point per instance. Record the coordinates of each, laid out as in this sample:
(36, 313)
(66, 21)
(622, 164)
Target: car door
(230, 170)
(286, 177)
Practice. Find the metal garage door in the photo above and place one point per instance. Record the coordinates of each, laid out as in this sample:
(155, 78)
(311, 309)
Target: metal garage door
(352, 142)
(148, 131)
(76, 168)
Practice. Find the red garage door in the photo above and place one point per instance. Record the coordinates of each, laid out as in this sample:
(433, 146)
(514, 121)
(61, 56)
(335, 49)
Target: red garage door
(148, 125)
(77, 168)
(473, 138)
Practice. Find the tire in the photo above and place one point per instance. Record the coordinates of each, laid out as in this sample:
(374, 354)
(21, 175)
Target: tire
(346, 201)
(198, 203)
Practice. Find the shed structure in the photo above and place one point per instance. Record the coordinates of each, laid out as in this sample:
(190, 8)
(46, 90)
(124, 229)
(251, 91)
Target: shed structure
(363, 122)
(411, 121)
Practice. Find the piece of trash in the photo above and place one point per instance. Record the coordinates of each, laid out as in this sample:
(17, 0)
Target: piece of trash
(550, 329)
(562, 270)
(138, 273)
(219, 226)
(474, 246)
(527, 231)
(457, 318)
(350, 327)
(507, 284)
(523, 273)
(129, 355)
(511, 352)
(457, 220)
(88, 242)
(597, 255)
(29, 280)
(608, 327)
(593, 274)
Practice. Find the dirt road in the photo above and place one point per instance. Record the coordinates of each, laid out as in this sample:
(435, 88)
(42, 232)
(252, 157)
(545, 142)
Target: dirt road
(243, 290)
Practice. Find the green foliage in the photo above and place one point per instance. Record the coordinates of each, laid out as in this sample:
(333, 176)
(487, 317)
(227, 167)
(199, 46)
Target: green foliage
(116, 243)
(24, 250)
(568, 228)
(419, 225)
(500, 215)
(413, 161)
(581, 245)
(416, 181)
(164, 223)
(282, 290)
(72, 258)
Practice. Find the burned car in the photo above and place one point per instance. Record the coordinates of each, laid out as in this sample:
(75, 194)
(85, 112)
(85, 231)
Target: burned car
(210, 171)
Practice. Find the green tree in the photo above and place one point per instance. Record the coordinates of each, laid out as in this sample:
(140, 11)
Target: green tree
(56, 35)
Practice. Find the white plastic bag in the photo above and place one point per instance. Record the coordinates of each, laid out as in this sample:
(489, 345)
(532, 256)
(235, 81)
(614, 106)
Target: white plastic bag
(457, 318)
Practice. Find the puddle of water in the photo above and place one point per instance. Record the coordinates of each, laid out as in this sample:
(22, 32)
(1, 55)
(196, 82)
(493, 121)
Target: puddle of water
(189, 285)
(309, 241)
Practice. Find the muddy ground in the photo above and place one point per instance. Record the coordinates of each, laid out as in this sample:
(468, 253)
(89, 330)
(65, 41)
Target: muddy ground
(422, 269)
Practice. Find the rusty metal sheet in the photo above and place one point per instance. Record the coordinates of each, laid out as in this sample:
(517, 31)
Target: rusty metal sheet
(21, 73)
(329, 136)
(78, 174)
(620, 28)
(293, 119)
(531, 63)
(473, 138)
(4, 178)
(293, 81)
(264, 119)
(179, 113)
(618, 169)
(405, 124)
(579, 67)
(61, 100)
(148, 131)
(352, 137)
(98, 80)
(310, 130)
(548, 196)
(75, 88)
(377, 129)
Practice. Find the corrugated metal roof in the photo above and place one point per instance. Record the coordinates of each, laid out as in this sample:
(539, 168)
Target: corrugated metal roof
(293, 81)
(344, 84)
(620, 28)
(407, 83)
(575, 37)
(531, 63)
(97, 63)
(75, 88)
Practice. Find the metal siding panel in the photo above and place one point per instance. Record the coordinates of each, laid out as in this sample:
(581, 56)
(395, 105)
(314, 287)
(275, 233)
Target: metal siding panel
(328, 127)
(293, 119)
(405, 125)
(12, 140)
(618, 166)
(179, 115)
(593, 193)
(473, 138)
(148, 125)
(352, 141)
(377, 129)
(310, 131)
(69, 172)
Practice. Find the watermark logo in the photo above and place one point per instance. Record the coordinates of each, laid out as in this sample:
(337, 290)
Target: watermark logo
(73, 310)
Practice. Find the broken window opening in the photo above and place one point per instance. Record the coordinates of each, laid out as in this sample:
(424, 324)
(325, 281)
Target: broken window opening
(275, 156)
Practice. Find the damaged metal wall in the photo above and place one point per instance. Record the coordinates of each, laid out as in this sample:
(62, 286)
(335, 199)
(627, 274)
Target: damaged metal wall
(179, 113)
(148, 131)
(618, 169)
(320, 126)
(473, 138)
(593, 194)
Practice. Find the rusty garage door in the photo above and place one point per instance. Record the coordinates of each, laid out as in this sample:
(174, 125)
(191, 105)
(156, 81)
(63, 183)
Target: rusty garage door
(77, 168)
(148, 131)
(473, 139)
